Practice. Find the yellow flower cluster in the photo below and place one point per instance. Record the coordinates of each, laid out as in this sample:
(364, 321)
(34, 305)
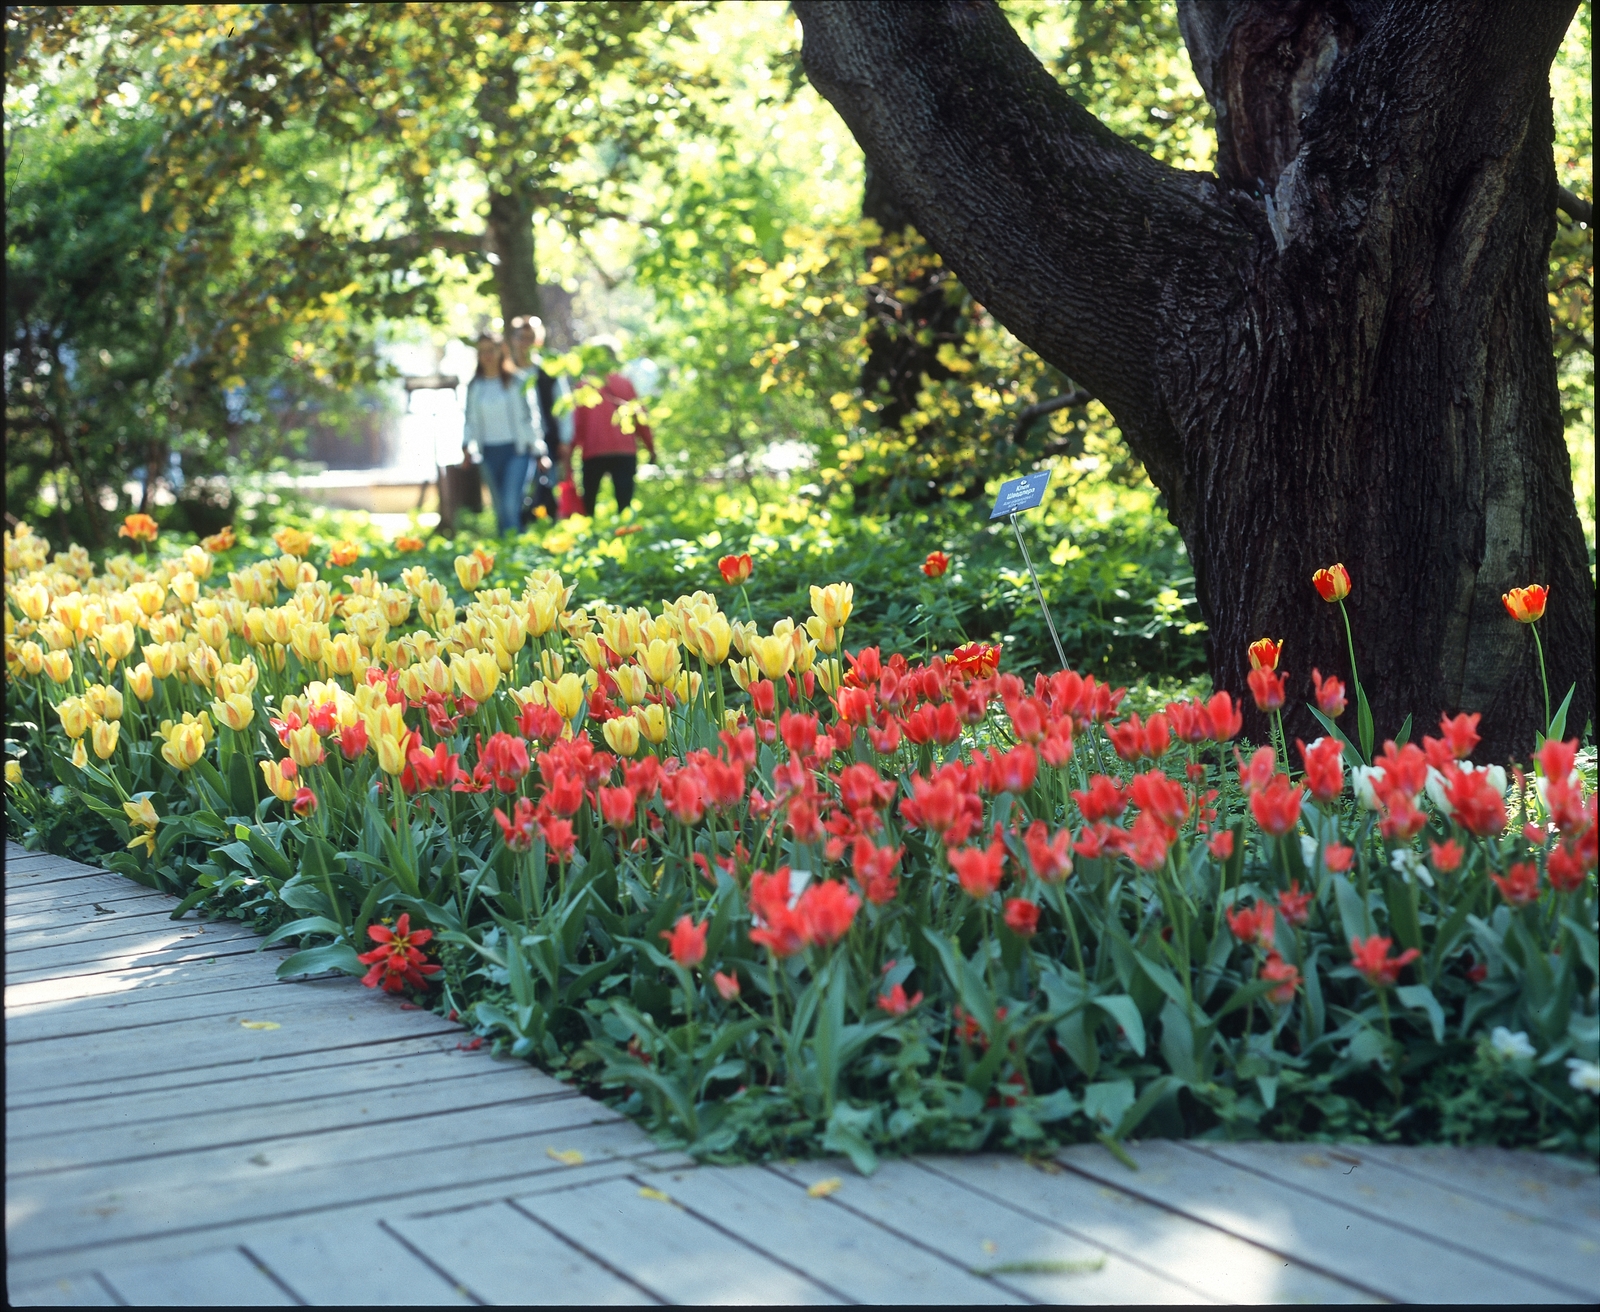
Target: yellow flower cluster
(276, 642)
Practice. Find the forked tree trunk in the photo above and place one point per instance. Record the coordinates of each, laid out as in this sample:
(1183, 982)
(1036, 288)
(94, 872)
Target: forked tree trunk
(509, 237)
(1336, 349)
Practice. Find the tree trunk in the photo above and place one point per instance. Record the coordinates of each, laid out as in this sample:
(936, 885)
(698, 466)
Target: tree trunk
(510, 240)
(1338, 348)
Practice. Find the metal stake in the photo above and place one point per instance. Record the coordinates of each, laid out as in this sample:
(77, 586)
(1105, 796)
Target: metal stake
(1043, 605)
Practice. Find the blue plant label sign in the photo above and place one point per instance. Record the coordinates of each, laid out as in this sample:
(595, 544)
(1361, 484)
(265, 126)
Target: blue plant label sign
(1019, 494)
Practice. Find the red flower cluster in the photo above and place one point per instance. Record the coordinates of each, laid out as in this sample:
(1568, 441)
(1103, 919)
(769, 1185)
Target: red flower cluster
(1371, 958)
(397, 960)
(820, 917)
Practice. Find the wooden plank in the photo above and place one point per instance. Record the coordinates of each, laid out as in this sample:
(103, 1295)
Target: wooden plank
(1490, 1233)
(172, 1245)
(674, 1256)
(84, 1290)
(191, 976)
(982, 1231)
(179, 954)
(503, 1256)
(204, 1280)
(81, 1017)
(1555, 1190)
(134, 900)
(143, 945)
(250, 1091)
(93, 928)
(305, 1023)
(114, 1086)
(354, 1264)
(196, 1129)
(1372, 1255)
(858, 1263)
(72, 1211)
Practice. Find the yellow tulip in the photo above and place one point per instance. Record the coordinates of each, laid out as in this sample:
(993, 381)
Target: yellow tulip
(308, 641)
(391, 757)
(197, 560)
(652, 720)
(412, 683)
(437, 675)
(661, 661)
(566, 695)
(774, 656)
(212, 630)
(150, 595)
(589, 647)
(743, 631)
(687, 688)
(116, 641)
(805, 653)
(622, 735)
(236, 711)
(442, 619)
(396, 606)
(162, 658)
(745, 672)
(105, 738)
(57, 636)
(280, 624)
(141, 681)
(823, 634)
(204, 665)
(632, 684)
(281, 788)
(469, 569)
(185, 587)
(829, 674)
(34, 598)
(476, 675)
(80, 755)
(509, 630)
(58, 665)
(185, 744)
(624, 630)
(32, 657)
(68, 609)
(341, 654)
(713, 638)
(386, 721)
(103, 701)
(75, 716)
(13, 772)
(833, 603)
(241, 677)
(305, 746)
(551, 664)
(542, 611)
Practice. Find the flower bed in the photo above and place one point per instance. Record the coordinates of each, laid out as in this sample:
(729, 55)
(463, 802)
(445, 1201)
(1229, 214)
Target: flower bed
(776, 895)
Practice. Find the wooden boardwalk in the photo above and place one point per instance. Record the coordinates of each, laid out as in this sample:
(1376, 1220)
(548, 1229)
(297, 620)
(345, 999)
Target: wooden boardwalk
(181, 1128)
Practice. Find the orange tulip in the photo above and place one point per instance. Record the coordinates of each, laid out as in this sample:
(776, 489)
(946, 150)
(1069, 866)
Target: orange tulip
(1333, 583)
(735, 569)
(936, 564)
(1526, 605)
(408, 543)
(344, 553)
(1264, 653)
(222, 541)
(141, 528)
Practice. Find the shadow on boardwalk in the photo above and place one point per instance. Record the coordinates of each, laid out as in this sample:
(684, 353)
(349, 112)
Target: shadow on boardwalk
(181, 1128)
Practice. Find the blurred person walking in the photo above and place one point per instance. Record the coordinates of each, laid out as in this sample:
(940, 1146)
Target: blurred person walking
(598, 432)
(500, 424)
(527, 337)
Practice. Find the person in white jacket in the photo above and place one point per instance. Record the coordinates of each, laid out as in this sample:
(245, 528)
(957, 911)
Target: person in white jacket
(499, 422)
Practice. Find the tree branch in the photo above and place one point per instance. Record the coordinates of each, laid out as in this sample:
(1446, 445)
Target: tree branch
(1576, 208)
(1078, 241)
(1039, 409)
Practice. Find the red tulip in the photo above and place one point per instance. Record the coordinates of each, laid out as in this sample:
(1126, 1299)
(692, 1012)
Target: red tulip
(1333, 583)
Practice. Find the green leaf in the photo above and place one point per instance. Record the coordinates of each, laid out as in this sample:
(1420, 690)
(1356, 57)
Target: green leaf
(1177, 1042)
(313, 961)
(1352, 753)
(1108, 1102)
(1353, 911)
(1420, 996)
(1558, 721)
(1401, 900)
(1133, 1118)
(305, 925)
(1165, 980)
(1404, 736)
(847, 1130)
(1124, 1012)
(1364, 722)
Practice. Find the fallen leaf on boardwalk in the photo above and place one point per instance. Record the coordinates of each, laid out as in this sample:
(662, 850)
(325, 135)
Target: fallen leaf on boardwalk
(260, 1024)
(989, 1246)
(566, 1156)
(655, 1195)
(823, 1188)
(1066, 1268)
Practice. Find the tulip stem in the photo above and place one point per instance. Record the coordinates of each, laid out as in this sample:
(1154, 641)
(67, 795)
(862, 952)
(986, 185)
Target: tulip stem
(1538, 646)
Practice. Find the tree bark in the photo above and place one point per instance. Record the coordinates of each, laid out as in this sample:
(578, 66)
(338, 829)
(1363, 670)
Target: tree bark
(1336, 348)
(509, 239)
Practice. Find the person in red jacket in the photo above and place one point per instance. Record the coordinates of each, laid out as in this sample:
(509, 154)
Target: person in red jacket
(598, 432)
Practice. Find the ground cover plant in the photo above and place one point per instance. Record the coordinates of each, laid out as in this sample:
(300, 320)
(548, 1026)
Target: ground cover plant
(779, 890)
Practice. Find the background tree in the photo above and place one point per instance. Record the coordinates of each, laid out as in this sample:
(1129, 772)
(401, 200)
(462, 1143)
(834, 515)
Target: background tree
(1337, 346)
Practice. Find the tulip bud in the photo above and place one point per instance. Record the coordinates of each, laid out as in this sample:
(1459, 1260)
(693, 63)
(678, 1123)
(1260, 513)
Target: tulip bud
(305, 746)
(280, 777)
(622, 735)
(652, 720)
(58, 665)
(75, 715)
(141, 682)
(105, 738)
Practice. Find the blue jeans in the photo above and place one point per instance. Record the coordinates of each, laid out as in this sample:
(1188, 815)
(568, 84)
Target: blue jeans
(508, 476)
